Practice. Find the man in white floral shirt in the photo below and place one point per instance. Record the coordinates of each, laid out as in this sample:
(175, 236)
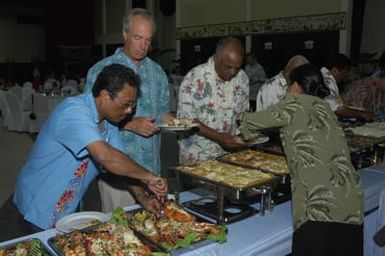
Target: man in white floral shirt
(214, 93)
(334, 72)
(274, 89)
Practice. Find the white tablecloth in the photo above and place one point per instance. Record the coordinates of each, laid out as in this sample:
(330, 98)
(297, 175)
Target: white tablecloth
(271, 234)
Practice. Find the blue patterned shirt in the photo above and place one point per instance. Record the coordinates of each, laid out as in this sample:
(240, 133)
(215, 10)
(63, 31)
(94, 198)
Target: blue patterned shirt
(153, 101)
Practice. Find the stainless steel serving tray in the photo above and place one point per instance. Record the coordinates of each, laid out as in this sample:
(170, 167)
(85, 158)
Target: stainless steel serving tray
(283, 178)
(271, 182)
(52, 240)
(44, 250)
(176, 251)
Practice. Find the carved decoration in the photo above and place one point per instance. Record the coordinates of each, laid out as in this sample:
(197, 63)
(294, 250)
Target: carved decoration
(322, 22)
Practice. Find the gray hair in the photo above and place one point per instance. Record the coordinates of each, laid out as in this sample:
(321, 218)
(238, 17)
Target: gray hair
(224, 42)
(137, 12)
(295, 61)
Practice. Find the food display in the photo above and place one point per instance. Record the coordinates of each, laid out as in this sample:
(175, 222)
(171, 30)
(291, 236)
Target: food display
(375, 129)
(180, 122)
(25, 248)
(258, 159)
(258, 138)
(363, 141)
(234, 176)
(114, 237)
(176, 228)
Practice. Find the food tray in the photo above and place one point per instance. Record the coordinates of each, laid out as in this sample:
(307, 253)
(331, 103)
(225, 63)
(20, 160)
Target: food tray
(177, 251)
(233, 177)
(44, 250)
(53, 243)
(260, 160)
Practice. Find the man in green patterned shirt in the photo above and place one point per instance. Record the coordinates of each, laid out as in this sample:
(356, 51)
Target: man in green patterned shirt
(327, 198)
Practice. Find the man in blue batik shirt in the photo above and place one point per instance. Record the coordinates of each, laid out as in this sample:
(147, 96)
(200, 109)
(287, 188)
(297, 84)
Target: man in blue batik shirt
(79, 137)
(142, 140)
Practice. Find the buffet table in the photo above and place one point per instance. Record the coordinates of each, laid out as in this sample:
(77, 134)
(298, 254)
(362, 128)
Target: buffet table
(271, 234)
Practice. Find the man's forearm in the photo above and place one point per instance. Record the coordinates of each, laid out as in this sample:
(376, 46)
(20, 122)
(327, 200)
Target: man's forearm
(139, 192)
(209, 133)
(117, 162)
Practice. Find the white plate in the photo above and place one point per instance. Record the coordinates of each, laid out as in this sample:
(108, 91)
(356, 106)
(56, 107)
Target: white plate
(259, 140)
(79, 220)
(356, 108)
(167, 127)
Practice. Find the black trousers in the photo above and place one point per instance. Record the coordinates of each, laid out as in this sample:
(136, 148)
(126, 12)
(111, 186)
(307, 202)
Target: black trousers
(12, 223)
(328, 239)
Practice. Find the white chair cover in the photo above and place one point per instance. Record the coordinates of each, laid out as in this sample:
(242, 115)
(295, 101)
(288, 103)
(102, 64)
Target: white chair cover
(17, 119)
(41, 109)
(26, 96)
(3, 107)
(16, 89)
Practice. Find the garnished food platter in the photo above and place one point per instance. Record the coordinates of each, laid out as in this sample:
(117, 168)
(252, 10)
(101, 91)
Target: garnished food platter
(31, 247)
(177, 230)
(140, 233)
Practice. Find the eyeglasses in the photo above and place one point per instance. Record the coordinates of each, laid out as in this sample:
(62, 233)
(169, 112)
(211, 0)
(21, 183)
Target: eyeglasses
(127, 105)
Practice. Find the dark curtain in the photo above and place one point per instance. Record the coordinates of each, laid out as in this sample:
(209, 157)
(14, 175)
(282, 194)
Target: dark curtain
(357, 22)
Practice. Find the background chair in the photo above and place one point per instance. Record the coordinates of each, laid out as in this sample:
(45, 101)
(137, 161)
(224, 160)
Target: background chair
(26, 96)
(40, 109)
(17, 119)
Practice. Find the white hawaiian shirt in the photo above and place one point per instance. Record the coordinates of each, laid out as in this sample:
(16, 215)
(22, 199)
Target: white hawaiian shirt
(275, 88)
(331, 84)
(216, 103)
(271, 92)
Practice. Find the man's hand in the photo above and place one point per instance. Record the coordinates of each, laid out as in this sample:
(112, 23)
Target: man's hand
(151, 204)
(159, 186)
(367, 116)
(142, 125)
(228, 141)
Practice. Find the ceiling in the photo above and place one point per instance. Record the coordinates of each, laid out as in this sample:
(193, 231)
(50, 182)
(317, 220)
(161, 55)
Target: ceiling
(26, 3)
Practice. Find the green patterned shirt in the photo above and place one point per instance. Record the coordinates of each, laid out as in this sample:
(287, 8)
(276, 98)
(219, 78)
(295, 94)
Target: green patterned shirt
(324, 184)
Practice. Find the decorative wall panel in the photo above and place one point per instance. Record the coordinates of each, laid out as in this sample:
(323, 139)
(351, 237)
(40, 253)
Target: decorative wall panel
(323, 22)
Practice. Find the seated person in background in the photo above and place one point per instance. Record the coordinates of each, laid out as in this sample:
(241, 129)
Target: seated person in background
(367, 93)
(213, 93)
(79, 139)
(327, 198)
(334, 73)
(380, 64)
(254, 70)
(274, 88)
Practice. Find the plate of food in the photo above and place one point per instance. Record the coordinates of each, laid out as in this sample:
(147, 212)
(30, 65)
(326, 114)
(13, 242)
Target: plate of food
(80, 220)
(113, 237)
(258, 138)
(31, 246)
(178, 124)
(177, 230)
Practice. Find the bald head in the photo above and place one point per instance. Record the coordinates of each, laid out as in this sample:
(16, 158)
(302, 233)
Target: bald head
(228, 58)
(294, 62)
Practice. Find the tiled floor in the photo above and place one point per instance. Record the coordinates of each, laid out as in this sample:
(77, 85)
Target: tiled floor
(14, 150)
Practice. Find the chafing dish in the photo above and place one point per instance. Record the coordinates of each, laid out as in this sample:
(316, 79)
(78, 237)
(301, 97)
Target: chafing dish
(259, 183)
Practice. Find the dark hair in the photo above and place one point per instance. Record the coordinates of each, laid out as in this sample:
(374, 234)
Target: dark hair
(339, 61)
(310, 79)
(381, 61)
(113, 78)
(381, 74)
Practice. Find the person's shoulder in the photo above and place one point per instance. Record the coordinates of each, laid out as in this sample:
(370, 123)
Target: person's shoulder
(242, 75)
(273, 80)
(155, 65)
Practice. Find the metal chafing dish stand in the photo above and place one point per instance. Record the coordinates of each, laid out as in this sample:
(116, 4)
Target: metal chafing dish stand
(216, 209)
